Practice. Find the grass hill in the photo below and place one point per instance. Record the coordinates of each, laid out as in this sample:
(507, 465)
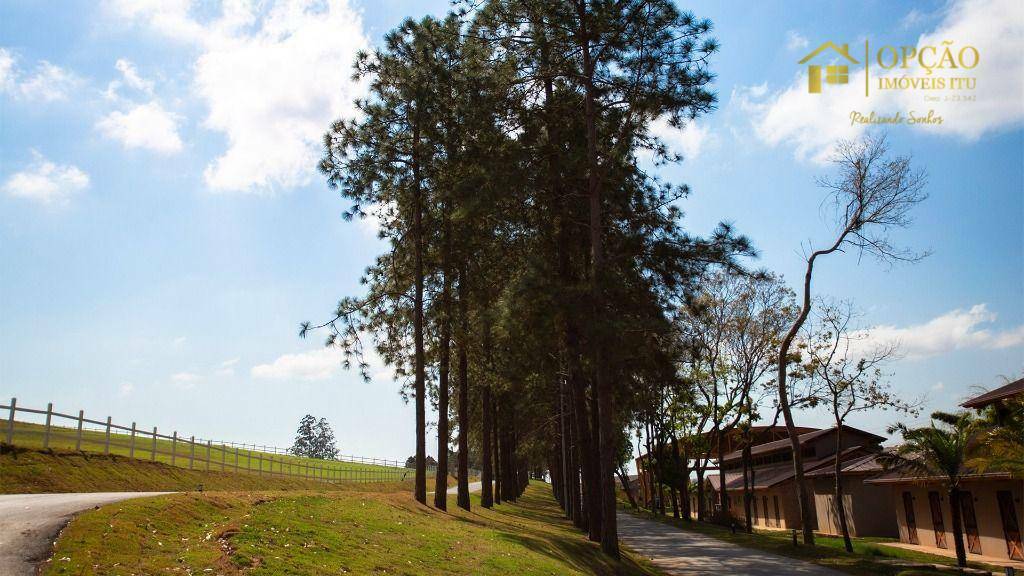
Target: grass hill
(342, 532)
(181, 453)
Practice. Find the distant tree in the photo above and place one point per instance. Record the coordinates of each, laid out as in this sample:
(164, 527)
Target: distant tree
(305, 436)
(410, 462)
(872, 196)
(314, 439)
(324, 446)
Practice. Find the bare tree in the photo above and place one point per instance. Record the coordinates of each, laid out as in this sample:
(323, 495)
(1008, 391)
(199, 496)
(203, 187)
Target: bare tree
(845, 370)
(871, 195)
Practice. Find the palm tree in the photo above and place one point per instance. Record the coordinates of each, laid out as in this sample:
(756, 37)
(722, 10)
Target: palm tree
(946, 450)
(1003, 437)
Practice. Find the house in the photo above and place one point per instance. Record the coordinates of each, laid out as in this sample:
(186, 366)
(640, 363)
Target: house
(990, 503)
(732, 440)
(869, 507)
(772, 483)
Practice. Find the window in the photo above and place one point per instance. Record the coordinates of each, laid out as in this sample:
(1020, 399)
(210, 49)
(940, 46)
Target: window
(837, 74)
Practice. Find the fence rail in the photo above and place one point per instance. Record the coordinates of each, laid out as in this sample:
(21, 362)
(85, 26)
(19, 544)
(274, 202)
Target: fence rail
(86, 434)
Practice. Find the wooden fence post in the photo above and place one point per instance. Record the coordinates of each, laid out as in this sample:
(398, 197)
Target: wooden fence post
(191, 451)
(174, 446)
(78, 437)
(106, 442)
(152, 452)
(207, 455)
(131, 445)
(10, 421)
(46, 431)
(223, 456)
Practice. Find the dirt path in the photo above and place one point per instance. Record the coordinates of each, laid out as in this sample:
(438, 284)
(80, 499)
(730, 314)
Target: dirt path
(680, 552)
(29, 523)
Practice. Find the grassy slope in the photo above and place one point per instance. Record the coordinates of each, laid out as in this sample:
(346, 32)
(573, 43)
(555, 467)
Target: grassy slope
(33, 471)
(329, 533)
(870, 558)
(28, 435)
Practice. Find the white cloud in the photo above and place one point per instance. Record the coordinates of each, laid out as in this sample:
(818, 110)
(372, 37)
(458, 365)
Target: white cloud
(185, 380)
(938, 386)
(46, 83)
(795, 40)
(227, 368)
(954, 330)
(126, 389)
(811, 123)
(318, 364)
(146, 126)
(45, 182)
(688, 141)
(130, 78)
(6, 70)
(272, 79)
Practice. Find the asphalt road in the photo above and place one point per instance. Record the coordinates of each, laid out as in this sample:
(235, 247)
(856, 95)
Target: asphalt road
(29, 523)
(680, 552)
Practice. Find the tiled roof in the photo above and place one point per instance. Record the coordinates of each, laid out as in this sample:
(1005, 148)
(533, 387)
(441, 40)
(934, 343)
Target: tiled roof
(766, 477)
(784, 444)
(866, 464)
(1011, 389)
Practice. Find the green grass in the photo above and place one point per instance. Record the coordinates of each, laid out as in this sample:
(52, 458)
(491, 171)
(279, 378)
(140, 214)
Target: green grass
(29, 435)
(869, 558)
(329, 533)
(25, 471)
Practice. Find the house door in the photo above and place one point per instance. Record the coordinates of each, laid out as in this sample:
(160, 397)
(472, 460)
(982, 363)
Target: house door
(908, 512)
(764, 503)
(778, 521)
(937, 524)
(1011, 529)
(753, 509)
(970, 522)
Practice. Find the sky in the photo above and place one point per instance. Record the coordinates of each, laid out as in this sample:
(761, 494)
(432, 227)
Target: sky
(163, 229)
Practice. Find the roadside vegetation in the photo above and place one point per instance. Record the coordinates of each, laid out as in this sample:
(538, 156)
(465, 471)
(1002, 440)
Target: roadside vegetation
(384, 531)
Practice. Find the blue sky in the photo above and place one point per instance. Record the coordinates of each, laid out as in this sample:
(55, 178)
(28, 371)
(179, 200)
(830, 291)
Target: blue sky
(164, 231)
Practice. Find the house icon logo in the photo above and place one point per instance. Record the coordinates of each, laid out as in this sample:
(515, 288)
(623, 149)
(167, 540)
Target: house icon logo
(834, 74)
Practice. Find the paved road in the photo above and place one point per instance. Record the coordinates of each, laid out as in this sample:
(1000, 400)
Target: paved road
(30, 522)
(473, 487)
(681, 552)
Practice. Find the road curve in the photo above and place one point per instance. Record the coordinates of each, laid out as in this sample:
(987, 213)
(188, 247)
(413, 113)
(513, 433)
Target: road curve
(683, 552)
(29, 523)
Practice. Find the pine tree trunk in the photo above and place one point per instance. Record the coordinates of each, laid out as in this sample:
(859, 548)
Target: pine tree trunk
(420, 370)
(499, 463)
(487, 473)
(443, 371)
(463, 344)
